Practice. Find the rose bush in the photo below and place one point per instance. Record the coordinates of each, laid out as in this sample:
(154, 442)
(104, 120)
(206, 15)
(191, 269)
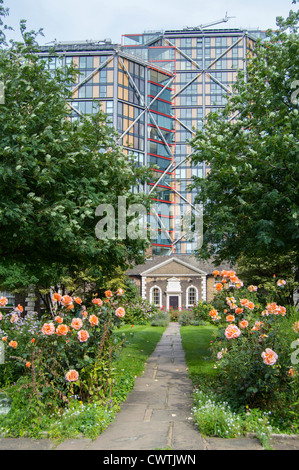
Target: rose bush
(253, 347)
(68, 354)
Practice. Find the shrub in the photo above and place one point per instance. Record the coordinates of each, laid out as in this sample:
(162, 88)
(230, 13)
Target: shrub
(253, 349)
(201, 311)
(139, 311)
(160, 319)
(189, 318)
(69, 353)
(174, 314)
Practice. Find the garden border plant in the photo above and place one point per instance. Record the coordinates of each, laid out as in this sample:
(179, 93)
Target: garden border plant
(63, 373)
(252, 351)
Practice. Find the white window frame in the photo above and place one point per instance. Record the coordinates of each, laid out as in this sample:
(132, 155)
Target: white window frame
(152, 298)
(188, 304)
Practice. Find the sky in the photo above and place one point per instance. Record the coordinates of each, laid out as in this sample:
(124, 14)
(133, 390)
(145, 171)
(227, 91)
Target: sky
(81, 20)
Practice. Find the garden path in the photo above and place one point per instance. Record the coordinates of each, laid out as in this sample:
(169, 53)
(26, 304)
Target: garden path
(157, 412)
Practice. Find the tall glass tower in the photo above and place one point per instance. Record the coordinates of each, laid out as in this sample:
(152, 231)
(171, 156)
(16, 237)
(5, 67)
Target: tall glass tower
(204, 63)
(158, 88)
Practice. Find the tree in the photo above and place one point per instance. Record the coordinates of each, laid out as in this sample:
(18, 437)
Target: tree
(53, 175)
(250, 195)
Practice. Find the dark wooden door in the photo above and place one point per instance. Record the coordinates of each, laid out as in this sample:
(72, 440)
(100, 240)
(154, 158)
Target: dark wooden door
(174, 301)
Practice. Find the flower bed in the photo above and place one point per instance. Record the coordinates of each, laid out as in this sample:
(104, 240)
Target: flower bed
(66, 374)
(256, 363)
(69, 353)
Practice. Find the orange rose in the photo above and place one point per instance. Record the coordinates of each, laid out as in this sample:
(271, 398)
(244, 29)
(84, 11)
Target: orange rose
(72, 375)
(243, 324)
(108, 294)
(62, 330)
(93, 320)
(66, 300)
(77, 323)
(219, 286)
(28, 364)
(33, 340)
(58, 319)
(250, 305)
(4, 338)
(48, 329)
(231, 274)
(83, 336)
(282, 310)
(243, 301)
(272, 308)
(13, 344)
(238, 310)
(120, 312)
(57, 297)
(78, 300)
(215, 273)
(213, 312)
(232, 331)
(98, 302)
(3, 301)
(269, 357)
(230, 318)
(120, 291)
(20, 308)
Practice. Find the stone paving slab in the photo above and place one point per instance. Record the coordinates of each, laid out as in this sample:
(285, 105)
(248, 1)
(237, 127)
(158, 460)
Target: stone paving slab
(214, 443)
(25, 444)
(74, 444)
(137, 436)
(284, 443)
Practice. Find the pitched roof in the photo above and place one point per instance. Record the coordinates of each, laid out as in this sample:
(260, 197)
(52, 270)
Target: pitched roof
(206, 266)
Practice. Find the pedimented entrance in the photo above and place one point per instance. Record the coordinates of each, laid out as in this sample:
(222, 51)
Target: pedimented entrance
(173, 293)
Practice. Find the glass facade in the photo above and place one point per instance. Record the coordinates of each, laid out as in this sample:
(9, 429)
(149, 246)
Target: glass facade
(158, 88)
(205, 65)
(137, 97)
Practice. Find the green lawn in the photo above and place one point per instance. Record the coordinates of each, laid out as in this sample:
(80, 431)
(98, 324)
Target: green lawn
(196, 341)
